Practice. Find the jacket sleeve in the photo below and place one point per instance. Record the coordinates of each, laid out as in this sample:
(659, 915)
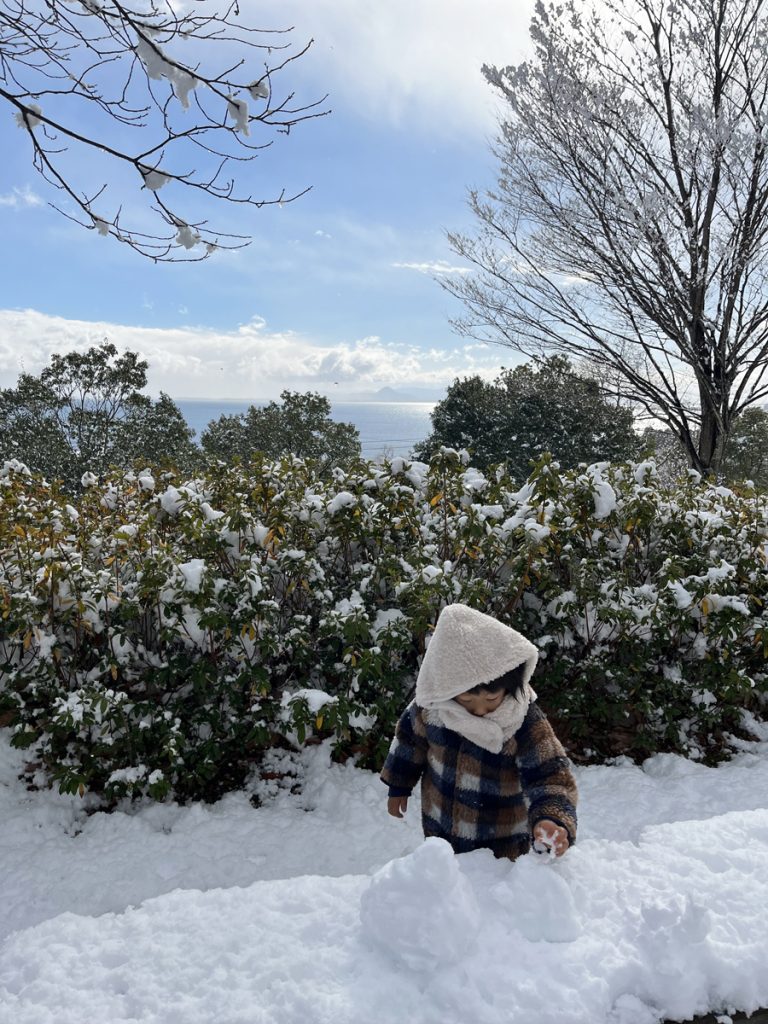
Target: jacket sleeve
(545, 774)
(407, 755)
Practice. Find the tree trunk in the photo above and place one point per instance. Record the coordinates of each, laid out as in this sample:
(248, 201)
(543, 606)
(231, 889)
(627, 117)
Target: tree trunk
(710, 447)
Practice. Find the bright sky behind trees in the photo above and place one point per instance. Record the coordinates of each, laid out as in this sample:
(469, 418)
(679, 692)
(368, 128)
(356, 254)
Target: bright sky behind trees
(336, 291)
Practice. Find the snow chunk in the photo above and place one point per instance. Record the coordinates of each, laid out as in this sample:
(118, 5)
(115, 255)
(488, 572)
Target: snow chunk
(644, 472)
(349, 606)
(154, 179)
(385, 617)
(127, 776)
(13, 466)
(259, 534)
(430, 573)
(561, 605)
(126, 532)
(186, 236)
(537, 531)
(109, 497)
(183, 84)
(210, 514)
(171, 500)
(294, 554)
(316, 699)
(421, 909)
(716, 603)
(27, 118)
(192, 573)
(151, 57)
(604, 494)
(259, 90)
(682, 598)
(474, 480)
(238, 111)
(492, 511)
(158, 66)
(342, 500)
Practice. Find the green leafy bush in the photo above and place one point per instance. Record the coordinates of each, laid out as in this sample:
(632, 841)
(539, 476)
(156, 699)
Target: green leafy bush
(158, 637)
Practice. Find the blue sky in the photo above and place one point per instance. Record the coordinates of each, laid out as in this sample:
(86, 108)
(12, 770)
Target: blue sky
(336, 292)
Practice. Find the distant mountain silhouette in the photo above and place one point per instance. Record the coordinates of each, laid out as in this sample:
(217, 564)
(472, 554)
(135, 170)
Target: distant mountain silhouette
(390, 394)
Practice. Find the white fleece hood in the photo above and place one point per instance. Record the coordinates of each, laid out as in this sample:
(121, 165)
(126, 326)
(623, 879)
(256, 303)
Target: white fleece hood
(469, 648)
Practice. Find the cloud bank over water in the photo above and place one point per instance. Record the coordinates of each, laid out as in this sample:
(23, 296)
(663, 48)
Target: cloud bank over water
(249, 361)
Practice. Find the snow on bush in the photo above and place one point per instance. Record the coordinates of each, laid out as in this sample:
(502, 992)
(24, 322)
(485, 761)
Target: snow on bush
(158, 639)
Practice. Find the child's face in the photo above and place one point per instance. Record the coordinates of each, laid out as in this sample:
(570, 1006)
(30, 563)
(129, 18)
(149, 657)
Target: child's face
(481, 703)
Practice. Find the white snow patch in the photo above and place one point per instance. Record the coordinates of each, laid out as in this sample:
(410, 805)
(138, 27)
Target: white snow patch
(342, 500)
(657, 912)
(420, 910)
(192, 574)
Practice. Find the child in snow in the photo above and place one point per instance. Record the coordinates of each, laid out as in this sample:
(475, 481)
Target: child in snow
(493, 774)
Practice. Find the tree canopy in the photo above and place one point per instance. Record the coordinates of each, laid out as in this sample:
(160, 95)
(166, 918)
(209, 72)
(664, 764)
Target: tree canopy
(746, 457)
(119, 101)
(300, 424)
(529, 410)
(85, 412)
(629, 225)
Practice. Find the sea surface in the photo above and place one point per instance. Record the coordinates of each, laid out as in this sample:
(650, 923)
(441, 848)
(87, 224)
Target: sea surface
(386, 428)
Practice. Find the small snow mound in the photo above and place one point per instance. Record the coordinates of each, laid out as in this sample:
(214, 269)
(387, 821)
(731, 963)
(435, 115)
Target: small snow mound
(540, 903)
(420, 909)
(628, 1009)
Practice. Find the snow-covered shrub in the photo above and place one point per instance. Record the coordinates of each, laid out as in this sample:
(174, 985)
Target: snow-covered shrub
(649, 607)
(163, 634)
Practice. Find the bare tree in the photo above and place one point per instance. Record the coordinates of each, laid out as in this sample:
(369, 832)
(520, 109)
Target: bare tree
(119, 101)
(630, 222)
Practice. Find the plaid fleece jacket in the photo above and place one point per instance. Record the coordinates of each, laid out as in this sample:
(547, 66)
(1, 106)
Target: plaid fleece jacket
(478, 800)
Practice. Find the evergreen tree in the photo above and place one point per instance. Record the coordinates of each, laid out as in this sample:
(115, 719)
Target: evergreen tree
(746, 457)
(301, 425)
(529, 410)
(85, 412)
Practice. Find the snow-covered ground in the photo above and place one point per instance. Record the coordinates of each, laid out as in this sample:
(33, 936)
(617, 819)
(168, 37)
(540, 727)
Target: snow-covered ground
(316, 908)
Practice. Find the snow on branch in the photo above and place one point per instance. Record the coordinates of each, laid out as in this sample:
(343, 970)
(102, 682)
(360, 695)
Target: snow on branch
(120, 100)
(629, 223)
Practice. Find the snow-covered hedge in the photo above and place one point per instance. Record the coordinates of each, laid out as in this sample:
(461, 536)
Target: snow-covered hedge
(160, 635)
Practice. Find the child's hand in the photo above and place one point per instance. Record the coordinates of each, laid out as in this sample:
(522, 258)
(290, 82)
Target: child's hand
(549, 838)
(397, 806)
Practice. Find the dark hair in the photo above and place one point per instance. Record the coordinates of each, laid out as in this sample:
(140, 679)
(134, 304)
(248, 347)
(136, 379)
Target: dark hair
(511, 681)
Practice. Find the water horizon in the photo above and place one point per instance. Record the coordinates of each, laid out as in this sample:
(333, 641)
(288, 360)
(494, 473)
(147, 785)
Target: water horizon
(385, 427)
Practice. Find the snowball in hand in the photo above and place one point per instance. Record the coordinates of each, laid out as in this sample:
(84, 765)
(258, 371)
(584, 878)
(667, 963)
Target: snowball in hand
(421, 909)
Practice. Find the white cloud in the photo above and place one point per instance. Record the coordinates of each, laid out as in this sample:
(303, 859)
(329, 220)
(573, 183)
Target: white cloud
(403, 60)
(249, 362)
(21, 197)
(439, 267)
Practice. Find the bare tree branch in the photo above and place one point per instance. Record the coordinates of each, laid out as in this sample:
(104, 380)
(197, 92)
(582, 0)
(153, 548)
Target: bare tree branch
(157, 97)
(629, 226)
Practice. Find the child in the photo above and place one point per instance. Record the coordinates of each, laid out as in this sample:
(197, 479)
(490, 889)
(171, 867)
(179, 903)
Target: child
(493, 774)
